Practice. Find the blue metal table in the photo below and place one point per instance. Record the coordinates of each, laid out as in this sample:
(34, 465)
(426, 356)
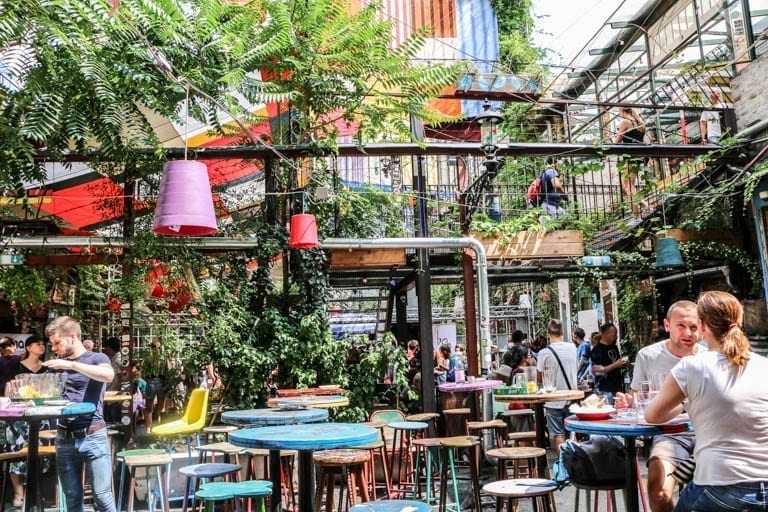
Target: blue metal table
(271, 417)
(630, 429)
(305, 438)
(35, 416)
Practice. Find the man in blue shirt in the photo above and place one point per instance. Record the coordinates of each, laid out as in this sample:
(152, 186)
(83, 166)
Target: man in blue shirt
(82, 439)
(552, 189)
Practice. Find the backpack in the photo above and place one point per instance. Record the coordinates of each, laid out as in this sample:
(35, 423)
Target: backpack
(596, 461)
(535, 194)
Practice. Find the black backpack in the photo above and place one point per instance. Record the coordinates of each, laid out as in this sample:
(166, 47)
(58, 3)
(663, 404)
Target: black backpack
(600, 460)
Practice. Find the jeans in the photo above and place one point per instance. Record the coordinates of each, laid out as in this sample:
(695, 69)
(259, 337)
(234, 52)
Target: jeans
(717, 498)
(93, 451)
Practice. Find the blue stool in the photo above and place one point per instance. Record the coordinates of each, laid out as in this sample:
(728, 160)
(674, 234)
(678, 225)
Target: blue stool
(205, 472)
(392, 506)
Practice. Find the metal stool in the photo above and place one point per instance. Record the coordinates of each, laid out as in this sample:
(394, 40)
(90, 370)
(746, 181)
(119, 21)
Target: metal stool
(404, 433)
(120, 457)
(540, 492)
(447, 447)
(517, 455)
(204, 472)
(429, 447)
(160, 463)
(610, 497)
(350, 465)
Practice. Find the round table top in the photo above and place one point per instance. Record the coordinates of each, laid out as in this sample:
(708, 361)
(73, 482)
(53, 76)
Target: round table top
(273, 416)
(325, 402)
(520, 487)
(540, 398)
(46, 412)
(110, 396)
(310, 436)
(470, 386)
(392, 506)
(627, 427)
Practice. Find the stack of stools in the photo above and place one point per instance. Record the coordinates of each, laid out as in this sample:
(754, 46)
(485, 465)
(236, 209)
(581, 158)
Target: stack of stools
(455, 421)
(392, 506)
(402, 451)
(540, 491)
(161, 463)
(287, 457)
(120, 458)
(203, 473)
(457, 444)
(350, 466)
(235, 491)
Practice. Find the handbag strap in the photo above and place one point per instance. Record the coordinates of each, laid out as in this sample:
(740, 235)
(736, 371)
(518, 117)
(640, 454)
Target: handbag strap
(562, 369)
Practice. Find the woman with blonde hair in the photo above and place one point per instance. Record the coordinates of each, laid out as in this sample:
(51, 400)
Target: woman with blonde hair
(631, 131)
(728, 406)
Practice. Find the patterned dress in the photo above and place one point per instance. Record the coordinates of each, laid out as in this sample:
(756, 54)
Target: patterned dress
(17, 432)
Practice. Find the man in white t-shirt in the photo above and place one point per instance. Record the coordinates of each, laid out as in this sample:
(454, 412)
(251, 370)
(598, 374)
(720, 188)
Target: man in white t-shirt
(566, 353)
(658, 359)
(710, 120)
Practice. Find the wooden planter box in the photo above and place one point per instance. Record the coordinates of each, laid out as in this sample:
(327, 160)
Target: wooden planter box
(709, 235)
(534, 244)
(344, 259)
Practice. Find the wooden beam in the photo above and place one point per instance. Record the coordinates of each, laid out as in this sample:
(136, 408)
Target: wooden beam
(72, 259)
(526, 245)
(366, 258)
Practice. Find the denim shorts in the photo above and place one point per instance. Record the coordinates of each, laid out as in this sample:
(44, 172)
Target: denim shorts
(673, 448)
(556, 421)
(718, 498)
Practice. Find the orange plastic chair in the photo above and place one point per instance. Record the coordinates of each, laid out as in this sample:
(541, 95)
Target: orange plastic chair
(191, 424)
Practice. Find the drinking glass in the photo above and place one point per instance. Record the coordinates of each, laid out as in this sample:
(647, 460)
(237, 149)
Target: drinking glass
(641, 400)
(656, 380)
(548, 378)
(531, 378)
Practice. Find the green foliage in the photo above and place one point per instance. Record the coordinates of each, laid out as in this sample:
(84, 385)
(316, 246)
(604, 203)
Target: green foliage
(365, 213)
(23, 286)
(741, 262)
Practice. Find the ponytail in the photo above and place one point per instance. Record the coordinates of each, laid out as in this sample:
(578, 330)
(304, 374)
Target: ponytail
(735, 346)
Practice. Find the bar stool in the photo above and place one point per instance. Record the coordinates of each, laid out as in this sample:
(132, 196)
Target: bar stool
(522, 438)
(610, 498)
(222, 448)
(350, 465)
(404, 433)
(378, 452)
(216, 432)
(540, 491)
(447, 447)
(160, 463)
(19, 456)
(518, 420)
(392, 506)
(455, 421)
(516, 455)
(498, 427)
(429, 447)
(426, 417)
(205, 472)
(221, 491)
(120, 458)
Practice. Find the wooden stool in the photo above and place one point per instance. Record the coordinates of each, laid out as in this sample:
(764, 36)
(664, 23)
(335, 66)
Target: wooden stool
(516, 455)
(223, 448)
(48, 436)
(519, 439)
(221, 491)
(19, 456)
(447, 446)
(498, 427)
(350, 465)
(287, 458)
(404, 433)
(215, 432)
(539, 490)
(610, 489)
(161, 464)
(392, 506)
(205, 472)
(455, 421)
(518, 420)
(426, 417)
(120, 457)
(426, 446)
(378, 452)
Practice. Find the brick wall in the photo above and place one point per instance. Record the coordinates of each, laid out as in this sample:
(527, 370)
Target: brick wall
(750, 93)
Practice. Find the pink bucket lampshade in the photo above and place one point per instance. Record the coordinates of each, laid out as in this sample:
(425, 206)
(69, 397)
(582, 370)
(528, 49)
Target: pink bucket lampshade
(184, 204)
(303, 232)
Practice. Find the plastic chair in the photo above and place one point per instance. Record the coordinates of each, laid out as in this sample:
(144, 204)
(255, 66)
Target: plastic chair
(191, 423)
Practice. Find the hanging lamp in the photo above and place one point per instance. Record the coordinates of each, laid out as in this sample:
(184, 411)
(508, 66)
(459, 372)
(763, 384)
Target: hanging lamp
(303, 231)
(184, 204)
(668, 253)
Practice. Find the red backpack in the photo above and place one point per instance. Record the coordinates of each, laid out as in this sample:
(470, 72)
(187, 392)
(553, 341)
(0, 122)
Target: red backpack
(535, 192)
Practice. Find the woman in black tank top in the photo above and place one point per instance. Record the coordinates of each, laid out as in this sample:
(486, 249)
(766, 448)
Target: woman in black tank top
(631, 131)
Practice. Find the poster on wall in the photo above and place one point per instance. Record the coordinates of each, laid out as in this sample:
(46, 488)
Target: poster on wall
(444, 333)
